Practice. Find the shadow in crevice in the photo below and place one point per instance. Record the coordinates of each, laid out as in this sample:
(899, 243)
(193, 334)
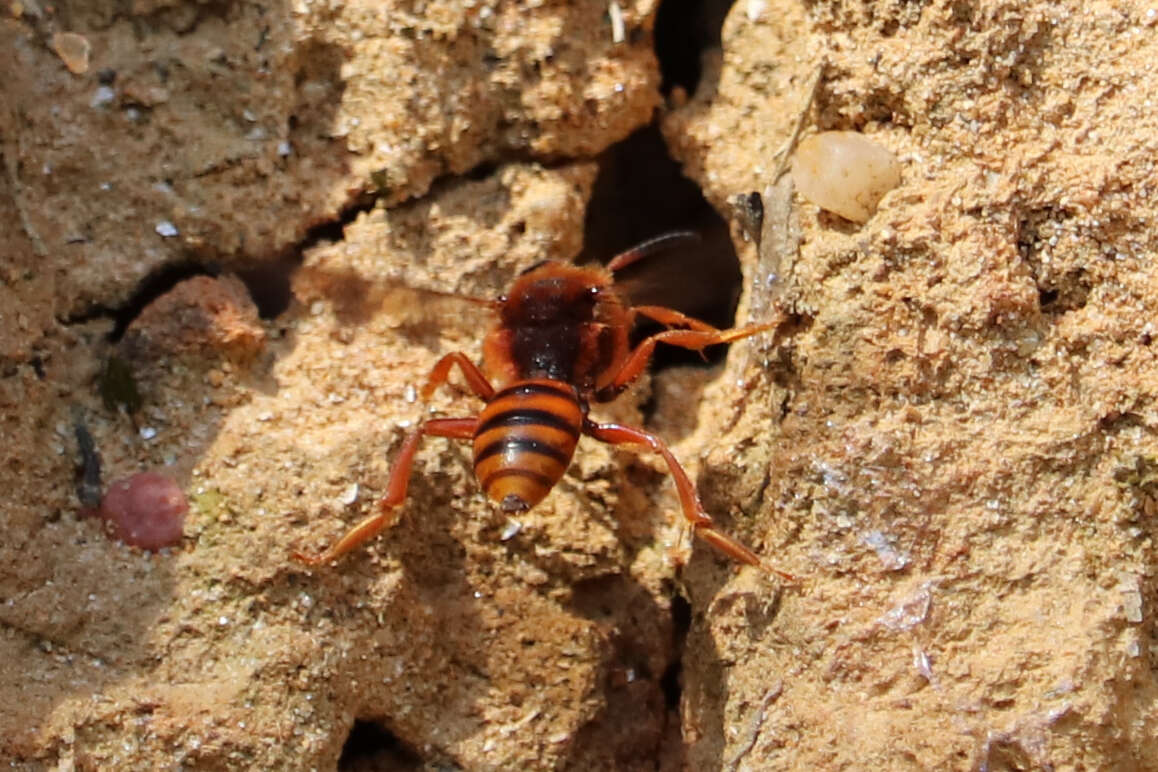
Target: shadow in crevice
(684, 30)
(371, 747)
(672, 679)
(640, 193)
(270, 282)
(635, 718)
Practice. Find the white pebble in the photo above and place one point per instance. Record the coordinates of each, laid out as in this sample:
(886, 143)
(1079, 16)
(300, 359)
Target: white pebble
(513, 527)
(618, 28)
(845, 172)
(104, 95)
(166, 229)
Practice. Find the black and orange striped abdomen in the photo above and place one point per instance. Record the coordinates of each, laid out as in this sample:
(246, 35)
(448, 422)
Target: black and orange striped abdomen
(524, 442)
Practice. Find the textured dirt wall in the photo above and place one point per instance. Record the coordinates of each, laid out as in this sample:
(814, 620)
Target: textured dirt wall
(959, 423)
(949, 440)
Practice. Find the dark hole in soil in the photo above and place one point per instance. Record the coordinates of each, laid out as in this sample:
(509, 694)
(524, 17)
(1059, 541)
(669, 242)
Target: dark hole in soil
(269, 283)
(681, 613)
(372, 746)
(641, 193)
(483, 171)
(684, 29)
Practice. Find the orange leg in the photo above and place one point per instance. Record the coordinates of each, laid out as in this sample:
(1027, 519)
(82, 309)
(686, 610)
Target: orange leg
(474, 377)
(673, 318)
(695, 339)
(455, 428)
(689, 500)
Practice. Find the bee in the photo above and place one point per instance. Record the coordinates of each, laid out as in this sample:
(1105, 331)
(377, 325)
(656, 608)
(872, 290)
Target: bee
(562, 342)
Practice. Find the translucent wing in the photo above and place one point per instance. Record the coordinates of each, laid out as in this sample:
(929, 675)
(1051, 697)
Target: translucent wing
(694, 273)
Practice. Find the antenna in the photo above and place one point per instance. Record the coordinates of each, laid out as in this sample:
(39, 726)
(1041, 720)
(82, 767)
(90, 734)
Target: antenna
(651, 247)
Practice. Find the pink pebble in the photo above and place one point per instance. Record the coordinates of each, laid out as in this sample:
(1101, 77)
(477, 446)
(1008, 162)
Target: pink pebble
(146, 510)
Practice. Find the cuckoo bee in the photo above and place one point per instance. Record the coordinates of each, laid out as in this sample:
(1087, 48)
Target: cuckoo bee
(562, 341)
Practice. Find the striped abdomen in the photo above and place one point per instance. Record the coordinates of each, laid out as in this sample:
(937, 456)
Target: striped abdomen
(525, 439)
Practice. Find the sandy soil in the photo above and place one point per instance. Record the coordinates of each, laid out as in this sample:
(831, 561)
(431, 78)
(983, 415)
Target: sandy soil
(261, 208)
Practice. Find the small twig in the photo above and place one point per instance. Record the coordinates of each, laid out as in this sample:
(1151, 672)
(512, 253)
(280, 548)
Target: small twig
(776, 249)
(18, 200)
(785, 151)
(755, 724)
(88, 480)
